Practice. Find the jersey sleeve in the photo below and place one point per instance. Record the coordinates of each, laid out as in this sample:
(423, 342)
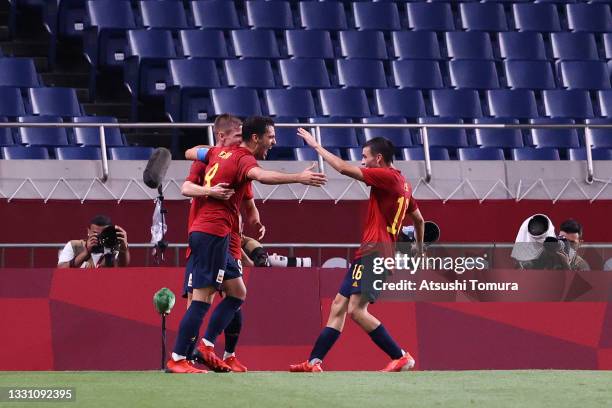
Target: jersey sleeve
(245, 163)
(412, 205)
(377, 177)
(248, 193)
(202, 154)
(196, 173)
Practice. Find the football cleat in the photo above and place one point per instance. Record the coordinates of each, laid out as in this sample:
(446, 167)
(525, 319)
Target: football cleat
(306, 367)
(182, 367)
(235, 365)
(401, 364)
(206, 355)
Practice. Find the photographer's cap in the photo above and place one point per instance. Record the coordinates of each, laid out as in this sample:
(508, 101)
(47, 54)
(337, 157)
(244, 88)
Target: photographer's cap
(528, 246)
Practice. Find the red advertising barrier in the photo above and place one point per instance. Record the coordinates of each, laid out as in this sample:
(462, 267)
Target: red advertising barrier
(105, 320)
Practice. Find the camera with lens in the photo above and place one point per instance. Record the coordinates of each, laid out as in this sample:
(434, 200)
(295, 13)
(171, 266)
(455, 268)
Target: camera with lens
(107, 239)
(558, 244)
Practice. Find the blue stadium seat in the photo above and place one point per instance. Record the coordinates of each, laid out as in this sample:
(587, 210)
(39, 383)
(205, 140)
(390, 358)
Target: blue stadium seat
(309, 44)
(328, 15)
(6, 135)
(203, 44)
(534, 75)
(11, 102)
(572, 103)
(54, 101)
(456, 103)
(512, 103)
(187, 94)
(162, 14)
(71, 18)
(584, 74)
(376, 16)
(605, 103)
(600, 137)
(530, 153)
(249, 73)
(286, 140)
(597, 154)
(304, 73)
(420, 74)
(220, 14)
(469, 45)
(399, 137)
(483, 17)
(241, 102)
(309, 154)
(415, 45)
(358, 73)
(336, 137)
(505, 138)
(354, 153)
(480, 153)
(25, 153)
(130, 153)
(589, 17)
(41, 136)
(473, 74)
(417, 153)
(449, 137)
(536, 17)
(91, 136)
(574, 46)
(269, 14)
(521, 45)
(607, 41)
(350, 102)
(363, 44)
(255, 44)
(406, 103)
(557, 138)
(18, 72)
(290, 102)
(78, 153)
(430, 16)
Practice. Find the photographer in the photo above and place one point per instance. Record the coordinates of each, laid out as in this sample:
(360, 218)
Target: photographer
(571, 231)
(106, 246)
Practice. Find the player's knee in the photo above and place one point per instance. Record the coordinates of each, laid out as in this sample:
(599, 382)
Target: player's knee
(355, 313)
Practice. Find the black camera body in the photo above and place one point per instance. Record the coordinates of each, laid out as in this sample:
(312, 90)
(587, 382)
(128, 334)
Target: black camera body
(107, 239)
(557, 244)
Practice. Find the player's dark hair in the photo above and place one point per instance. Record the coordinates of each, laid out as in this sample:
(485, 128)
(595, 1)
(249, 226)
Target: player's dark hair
(255, 125)
(383, 146)
(100, 221)
(571, 227)
(226, 121)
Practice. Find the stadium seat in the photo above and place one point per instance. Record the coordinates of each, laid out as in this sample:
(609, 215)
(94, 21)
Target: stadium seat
(327, 15)
(415, 45)
(457, 103)
(130, 153)
(419, 74)
(376, 16)
(417, 153)
(336, 137)
(286, 140)
(309, 154)
(406, 103)
(309, 44)
(249, 73)
(255, 44)
(71, 19)
(512, 103)
(18, 72)
(54, 102)
(350, 102)
(600, 137)
(534, 75)
(399, 137)
(11, 102)
(290, 102)
(605, 103)
(504, 138)
(480, 153)
(358, 73)
(363, 44)
(354, 153)
(584, 75)
(607, 42)
(572, 103)
(203, 44)
(275, 15)
(557, 138)
(25, 153)
(41, 136)
(304, 73)
(473, 74)
(241, 102)
(91, 136)
(521, 46)
(162, 14)
(430, 16)
(445, 137)
(597, 154)
(589, 17)
(574, 46)
(78, 153)
(530, 153)
(6, 135)
(468, 45)
(536, 17)
(219, 14)
(483, 17)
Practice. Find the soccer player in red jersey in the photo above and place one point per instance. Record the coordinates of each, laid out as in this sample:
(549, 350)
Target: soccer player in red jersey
(390, 199)
(209, 234)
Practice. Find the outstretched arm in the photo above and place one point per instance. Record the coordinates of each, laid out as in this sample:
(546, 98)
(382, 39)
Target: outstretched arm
(252, 217)
(336, 162)
(307, 177)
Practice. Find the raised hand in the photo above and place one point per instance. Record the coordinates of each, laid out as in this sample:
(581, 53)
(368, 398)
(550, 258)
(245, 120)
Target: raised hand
(310, 178)
(308, 137)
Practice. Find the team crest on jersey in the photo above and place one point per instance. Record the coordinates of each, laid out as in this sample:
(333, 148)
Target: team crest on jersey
(225, 155)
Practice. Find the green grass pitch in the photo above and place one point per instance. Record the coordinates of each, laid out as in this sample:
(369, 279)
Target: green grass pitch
(450, 389)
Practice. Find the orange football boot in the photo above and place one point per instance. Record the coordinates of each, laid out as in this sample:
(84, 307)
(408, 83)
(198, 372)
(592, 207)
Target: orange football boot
(306, 367)
(182, 367)
(206, 355)
(401, 364)
(235, 365)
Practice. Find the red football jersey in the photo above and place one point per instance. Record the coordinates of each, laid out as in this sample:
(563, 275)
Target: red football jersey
(390, 198)
(235, 240)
